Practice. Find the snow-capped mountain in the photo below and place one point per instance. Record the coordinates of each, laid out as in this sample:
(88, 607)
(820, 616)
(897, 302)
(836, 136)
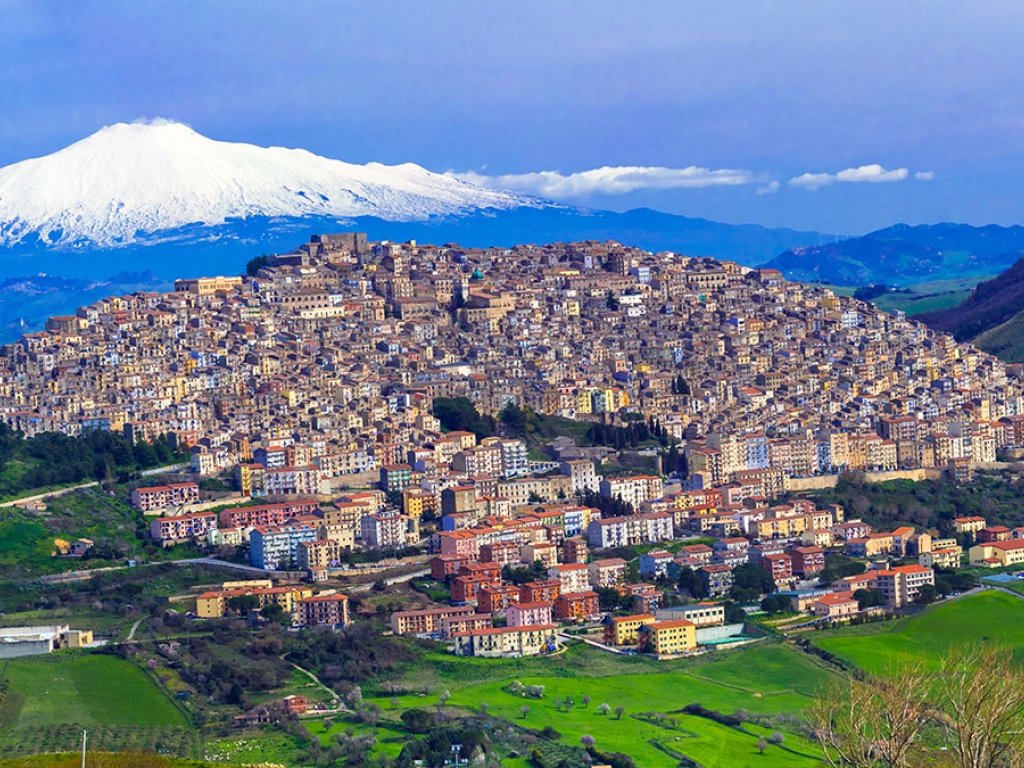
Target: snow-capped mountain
(127, 181)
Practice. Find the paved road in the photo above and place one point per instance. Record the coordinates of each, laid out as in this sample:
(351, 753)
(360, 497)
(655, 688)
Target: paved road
(131, 632)
(594, 643)
(93, 484)
(339, 706)
(71, 576)
(389, 582)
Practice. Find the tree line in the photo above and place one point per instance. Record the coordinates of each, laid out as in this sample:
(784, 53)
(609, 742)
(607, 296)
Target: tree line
(52, 458)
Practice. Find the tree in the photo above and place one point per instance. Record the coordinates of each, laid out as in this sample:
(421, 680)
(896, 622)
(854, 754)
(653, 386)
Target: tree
(515, 419)
(524, 711)
(972, 708)
(874, 721)
(868, 598)
(776, 604)
(586, 701)
(690, 583)
(619, 710)
(242, 604)
(604, 709)
(777, 738)
(749, 576)
(733, 613)
(982, 692)
(762, 745)
(587, 740)
(273, 612)
(253, 267)
(927, 594)
(417, 720)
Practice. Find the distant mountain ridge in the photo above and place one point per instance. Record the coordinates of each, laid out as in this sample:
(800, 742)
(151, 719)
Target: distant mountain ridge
(161, 196)
(904, 255)
(128, 179)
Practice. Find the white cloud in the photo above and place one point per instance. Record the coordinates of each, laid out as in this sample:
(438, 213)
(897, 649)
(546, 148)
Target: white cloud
(924, 175)
(866, 173)
(768, 189)
(617, 180)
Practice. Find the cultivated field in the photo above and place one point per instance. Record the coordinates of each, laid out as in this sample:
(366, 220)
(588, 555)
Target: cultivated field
(50, 699)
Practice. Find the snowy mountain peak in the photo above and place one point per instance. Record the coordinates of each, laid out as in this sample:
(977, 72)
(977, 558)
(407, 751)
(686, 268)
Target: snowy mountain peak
(126, 180)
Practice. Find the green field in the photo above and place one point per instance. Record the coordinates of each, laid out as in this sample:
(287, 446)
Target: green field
(765, 681)
(51, 699)
(921, 297)
(914, 304)
(102, 760)
(87, 689)
(989, 617)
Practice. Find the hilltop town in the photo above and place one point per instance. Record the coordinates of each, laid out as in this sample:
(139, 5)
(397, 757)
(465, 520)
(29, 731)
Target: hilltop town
(510, 453)
(349, 362)
(337, 351)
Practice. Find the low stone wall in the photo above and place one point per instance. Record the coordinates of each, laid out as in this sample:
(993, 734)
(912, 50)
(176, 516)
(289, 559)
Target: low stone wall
(829, 481)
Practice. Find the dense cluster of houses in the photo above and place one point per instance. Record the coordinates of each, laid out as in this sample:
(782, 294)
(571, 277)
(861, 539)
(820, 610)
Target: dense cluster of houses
(327, 362)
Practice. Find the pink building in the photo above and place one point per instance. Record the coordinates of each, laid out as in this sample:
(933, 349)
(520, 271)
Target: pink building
(528, 614)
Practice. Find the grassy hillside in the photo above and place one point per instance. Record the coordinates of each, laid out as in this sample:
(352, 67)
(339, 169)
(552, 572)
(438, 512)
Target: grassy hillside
(990, 617)
(1005, 341)
(991, 304)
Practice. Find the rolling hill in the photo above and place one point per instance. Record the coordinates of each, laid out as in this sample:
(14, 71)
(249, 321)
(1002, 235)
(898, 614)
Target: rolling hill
(991, 317)
(903, 255)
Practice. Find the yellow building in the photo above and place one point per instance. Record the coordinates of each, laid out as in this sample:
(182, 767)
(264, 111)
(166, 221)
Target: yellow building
(969, 524)
(622, 630)
(417, 503)
(207, 286)
(584, 400)
(998, 554)
(668, 637)
(213, 605)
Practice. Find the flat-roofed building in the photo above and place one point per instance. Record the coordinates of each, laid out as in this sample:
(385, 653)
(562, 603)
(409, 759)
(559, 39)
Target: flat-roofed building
(622, 630)
(668, 637)
(427, 621)
(507, 642)
(323, 611)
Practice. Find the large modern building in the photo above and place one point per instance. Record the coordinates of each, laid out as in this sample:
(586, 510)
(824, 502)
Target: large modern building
(31, 641)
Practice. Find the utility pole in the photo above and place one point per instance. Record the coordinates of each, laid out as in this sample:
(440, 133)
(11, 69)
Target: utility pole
(84, 734)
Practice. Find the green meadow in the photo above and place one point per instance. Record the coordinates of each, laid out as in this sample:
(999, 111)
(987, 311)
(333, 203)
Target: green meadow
(990, 617)
(765, 681)
(86, 689)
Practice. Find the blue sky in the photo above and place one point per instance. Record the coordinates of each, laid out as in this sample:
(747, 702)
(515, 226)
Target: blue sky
(836, 116)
